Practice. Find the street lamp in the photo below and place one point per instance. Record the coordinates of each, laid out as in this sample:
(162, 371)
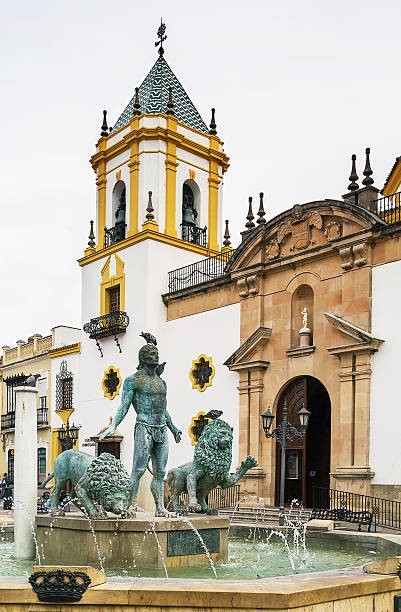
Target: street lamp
(68, 435)
(285, 432)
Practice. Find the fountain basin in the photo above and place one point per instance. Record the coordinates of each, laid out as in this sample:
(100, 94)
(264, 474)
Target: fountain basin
(157, 544)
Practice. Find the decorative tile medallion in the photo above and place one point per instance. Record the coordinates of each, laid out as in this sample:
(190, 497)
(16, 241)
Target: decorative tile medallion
(202, 373)
(111, 382)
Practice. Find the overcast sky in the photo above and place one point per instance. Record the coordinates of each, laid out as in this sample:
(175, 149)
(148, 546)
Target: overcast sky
(298, 87)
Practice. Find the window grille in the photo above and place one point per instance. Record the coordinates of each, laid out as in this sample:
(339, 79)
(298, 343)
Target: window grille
(11, 382)
(64, 388)
(10, 465)
(41, 464)
(114, 298)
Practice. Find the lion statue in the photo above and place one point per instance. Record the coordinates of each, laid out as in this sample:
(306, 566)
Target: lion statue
(102, 479)
(210, 468)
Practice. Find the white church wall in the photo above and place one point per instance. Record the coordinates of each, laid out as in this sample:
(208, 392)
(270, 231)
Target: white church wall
(384, 405)
(152, 177)
(115, 138)
(214, 333)
(146, 272)
(193, 135)
(64, 335)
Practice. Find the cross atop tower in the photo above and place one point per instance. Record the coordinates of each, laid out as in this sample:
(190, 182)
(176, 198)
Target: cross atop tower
(161, 36)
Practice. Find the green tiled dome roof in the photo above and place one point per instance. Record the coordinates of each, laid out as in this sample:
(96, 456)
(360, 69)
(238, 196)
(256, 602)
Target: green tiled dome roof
(153, 97)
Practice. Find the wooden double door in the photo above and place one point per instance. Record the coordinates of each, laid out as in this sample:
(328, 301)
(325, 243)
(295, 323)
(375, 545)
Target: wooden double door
(307, 458)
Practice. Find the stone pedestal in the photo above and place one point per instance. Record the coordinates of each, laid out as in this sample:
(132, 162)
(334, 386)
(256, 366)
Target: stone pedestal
(132, 542)
(25, 471)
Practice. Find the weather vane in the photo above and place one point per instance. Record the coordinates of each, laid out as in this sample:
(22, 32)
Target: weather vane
(160, 34)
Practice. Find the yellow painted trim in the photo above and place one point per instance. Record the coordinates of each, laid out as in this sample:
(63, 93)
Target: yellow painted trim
(190, 432)
(147, 235)
(133, 166)
(108, 281)
(56, 448)
(65, 350)
(64, 414)
(118, 175)
(167, 135)
(193, 380)
(192, 174)
(150, 225)
(393, 183)
(213, 211)
(106, 392)
(171, 179)
(101, 182)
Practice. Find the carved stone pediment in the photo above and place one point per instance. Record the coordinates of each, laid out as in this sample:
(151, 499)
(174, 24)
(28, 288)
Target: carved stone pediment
(364, 339)
(244, 356)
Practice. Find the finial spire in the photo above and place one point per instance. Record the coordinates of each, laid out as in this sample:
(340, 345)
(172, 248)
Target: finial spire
(161, 36)
(261, 211)
(170, 103)
(353, 177)
(226, 242)
(213, 123)
(137, 104)
(149, 210)
(250, 224)
(91, 237)
(367, 173)
(104, 128)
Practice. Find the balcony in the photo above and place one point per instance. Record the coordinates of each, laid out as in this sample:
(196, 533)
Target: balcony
(388, 208)
(107, 325)
(199, 272)
(194, 234)
(114, 234)
(8, 419)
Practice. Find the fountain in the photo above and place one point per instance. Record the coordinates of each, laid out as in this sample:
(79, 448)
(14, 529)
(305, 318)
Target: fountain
(135, 543)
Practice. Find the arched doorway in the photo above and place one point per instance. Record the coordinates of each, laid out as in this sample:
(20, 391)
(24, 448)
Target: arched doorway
(307, 458)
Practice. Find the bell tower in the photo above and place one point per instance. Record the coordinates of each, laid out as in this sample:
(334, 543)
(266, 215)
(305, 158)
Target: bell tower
(159, 169)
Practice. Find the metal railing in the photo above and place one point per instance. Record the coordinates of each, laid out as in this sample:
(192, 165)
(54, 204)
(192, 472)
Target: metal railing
(218, 498)
(199, 272)
(388, 208)
(8, 420)
(42, 416)
(107, 325)
(194, 234)
(114, 234)
(386, 512)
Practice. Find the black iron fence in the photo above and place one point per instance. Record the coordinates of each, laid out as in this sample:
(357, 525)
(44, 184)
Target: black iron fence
(386, 512)
(114, 234)
(199, 272)
(8, 420)
(194, 234)
(218, 498)
(389, 208)
(42, 416)
(107, 325)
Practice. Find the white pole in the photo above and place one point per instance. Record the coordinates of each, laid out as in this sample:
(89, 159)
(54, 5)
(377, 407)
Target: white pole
(25, 471)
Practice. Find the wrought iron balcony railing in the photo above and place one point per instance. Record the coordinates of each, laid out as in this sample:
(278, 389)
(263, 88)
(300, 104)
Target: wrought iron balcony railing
(199, 272)
(194, 234)
(42, 416)
(114, 234)
(8, 421)
(388, 208)
(107, 325)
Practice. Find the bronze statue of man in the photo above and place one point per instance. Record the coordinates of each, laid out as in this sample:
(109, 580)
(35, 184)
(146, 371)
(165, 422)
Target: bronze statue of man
(146, 391)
